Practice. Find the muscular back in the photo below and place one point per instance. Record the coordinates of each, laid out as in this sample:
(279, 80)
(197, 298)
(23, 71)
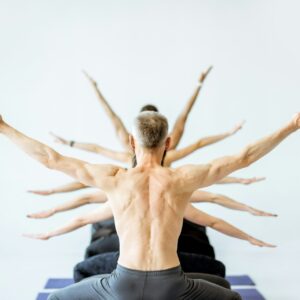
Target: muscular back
(148, 208)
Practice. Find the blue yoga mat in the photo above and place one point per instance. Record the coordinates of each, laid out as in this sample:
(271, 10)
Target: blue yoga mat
(240, 280)
(58, 283)
(250, 294)
(42, 296)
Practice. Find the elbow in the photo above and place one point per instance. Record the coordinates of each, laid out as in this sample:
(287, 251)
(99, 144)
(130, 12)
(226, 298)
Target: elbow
(80, 222)
(214, 223)
(51, 159)
(245, 159)
(214, 198)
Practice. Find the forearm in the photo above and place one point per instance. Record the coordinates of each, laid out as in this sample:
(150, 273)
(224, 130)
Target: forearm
(38, 151)
(70, 187)
(257, 150)
(222, 167)
(120, 129)
(118, 156)
(69, 227)
(229, 203)
(99, 197)
(97, 215)
(174, 155)
(204, 196)
(230, 230)
(246, 181)
(199, 217)
(179, 125)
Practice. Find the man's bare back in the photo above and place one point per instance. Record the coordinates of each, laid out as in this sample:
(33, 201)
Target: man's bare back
(148, 207)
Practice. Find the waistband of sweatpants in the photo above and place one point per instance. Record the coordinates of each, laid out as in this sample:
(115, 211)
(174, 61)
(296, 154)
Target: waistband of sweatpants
(167, 272)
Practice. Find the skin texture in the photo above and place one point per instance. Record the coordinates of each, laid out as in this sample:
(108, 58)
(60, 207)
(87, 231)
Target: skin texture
(197, 197)
(149, 201)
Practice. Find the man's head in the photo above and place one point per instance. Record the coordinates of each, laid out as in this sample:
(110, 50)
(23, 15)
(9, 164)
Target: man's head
(150, 130)
(149, 107)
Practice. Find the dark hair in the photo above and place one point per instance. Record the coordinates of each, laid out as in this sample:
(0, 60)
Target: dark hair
(149, 107)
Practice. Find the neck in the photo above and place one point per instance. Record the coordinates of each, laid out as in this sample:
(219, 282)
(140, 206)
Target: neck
(149, 158)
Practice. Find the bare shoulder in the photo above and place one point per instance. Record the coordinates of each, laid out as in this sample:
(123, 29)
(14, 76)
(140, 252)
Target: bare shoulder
(191, 176)
(190, 170)
(103, 175)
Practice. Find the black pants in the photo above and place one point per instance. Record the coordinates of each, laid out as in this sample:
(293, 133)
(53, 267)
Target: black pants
(127, 284)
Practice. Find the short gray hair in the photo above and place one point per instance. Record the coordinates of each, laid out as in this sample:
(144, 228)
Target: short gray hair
(150, 129)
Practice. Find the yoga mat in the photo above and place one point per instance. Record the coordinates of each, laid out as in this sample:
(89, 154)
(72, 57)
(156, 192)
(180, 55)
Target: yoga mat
(42, 296)
(250, 294)
(58, 283)
(240, 280)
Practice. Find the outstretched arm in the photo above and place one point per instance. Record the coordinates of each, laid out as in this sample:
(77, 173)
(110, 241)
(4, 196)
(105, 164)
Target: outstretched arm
(99, 197)
(197, 176)
(116, 155)
(174, 155)
(121, 131)
(199, 217)
(179, 125)
(100, 214)
(246, 181)
(88, 174)
(203, 196)
(70, 187)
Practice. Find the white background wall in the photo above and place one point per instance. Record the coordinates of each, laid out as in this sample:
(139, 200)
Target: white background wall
(140, 52)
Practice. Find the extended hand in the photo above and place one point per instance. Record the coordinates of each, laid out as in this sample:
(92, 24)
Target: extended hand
(259, 243)
(237, 127)
(42, 214)
(252, 180)
(296, 120)
(93, 82)
(59, 139)
(41, 192)
(261, 213)
(39, 236)
(204, 75)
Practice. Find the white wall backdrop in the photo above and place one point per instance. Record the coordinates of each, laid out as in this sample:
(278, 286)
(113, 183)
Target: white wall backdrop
(141, 52)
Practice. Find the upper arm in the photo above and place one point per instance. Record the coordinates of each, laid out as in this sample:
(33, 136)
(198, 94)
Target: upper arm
(89, 174)
(197, 176)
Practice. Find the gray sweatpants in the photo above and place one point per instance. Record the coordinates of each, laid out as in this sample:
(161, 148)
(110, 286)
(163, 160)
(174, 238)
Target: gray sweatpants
(128, 284)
